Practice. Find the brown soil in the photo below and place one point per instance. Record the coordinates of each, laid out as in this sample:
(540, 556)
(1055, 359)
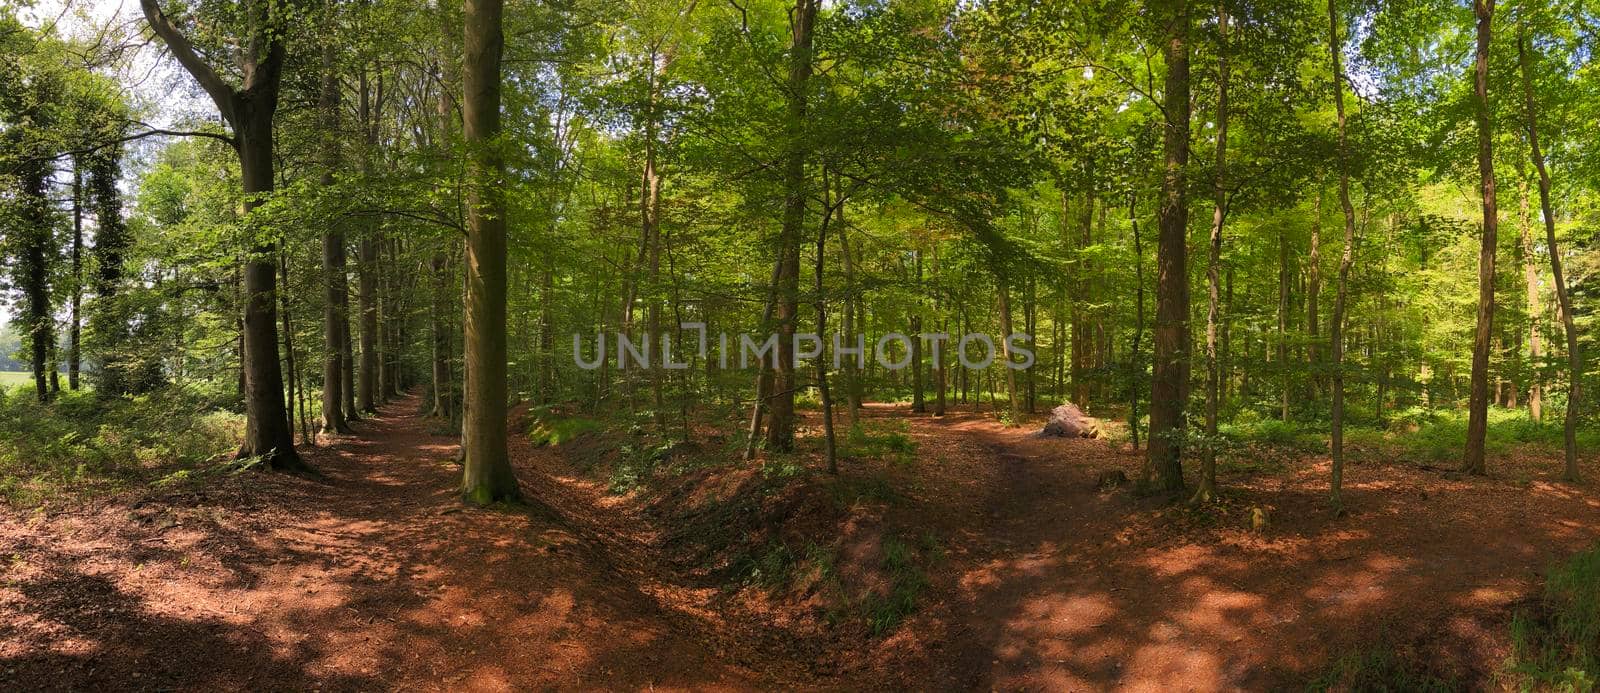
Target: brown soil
(376, 577)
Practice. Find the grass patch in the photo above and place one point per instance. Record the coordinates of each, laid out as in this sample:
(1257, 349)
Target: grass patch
(1556, 643)
(550, 429)
(850, 491)
(9, 379)
(889, 439)
(1379, 669)
(903, 562)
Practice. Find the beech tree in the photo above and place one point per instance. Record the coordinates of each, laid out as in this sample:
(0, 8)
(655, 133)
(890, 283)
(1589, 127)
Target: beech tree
(248, 110)
(487, 476)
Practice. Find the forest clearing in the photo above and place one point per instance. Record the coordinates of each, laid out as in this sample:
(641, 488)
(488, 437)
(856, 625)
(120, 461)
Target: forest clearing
(799, 344)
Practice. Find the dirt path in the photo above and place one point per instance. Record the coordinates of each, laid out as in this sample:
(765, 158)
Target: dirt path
(371, 578)
(375, 577)
(1055, 585)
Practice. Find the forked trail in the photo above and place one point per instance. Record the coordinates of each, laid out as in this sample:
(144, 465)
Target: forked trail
(375, 577)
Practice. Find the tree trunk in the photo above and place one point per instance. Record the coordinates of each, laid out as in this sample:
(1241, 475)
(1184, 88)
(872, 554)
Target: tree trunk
(919, 403)
(1207, 489)
(443, 385)
(75, 352)
(1530, 278)
(368, 390)
(1283, 319)
(291, 380)
(1005, 350)
(1478, 404)
(852, 371)
(829, 451)
(267, 430)
(1168, 390)
(1563, 298)
(40, 325)
(780, 431)
(939, 355)
(106, 321)
(1136, 371)
(1313, 301)
(650, 221)
(487, 476)
(335, 287)
(1336, 330)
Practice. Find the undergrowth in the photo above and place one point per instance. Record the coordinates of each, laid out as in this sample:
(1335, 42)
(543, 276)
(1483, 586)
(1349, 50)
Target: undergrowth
(82, 444)
(550, 428)
(1413, 436)
(902, 564)
(888, 439)
(1556, 642)
(1379, 670)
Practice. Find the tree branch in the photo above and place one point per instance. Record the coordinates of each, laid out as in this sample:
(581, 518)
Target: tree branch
(220, 92)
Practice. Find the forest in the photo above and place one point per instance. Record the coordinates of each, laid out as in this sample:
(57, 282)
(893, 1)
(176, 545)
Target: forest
(799, 344)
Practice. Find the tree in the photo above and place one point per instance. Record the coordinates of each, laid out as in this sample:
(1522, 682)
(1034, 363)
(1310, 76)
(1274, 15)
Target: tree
(335, 283)
(1169, 385)
(1336, 330)
(1563, 298)
(487, 476)
(780, 431)
(1478, 405)
(1207, 489)
(248, 110)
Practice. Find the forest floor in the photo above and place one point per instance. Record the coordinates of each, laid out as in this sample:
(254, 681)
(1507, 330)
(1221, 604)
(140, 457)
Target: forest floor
(374, 576)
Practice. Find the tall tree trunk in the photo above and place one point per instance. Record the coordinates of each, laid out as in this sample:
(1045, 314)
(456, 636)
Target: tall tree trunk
(1563, 298)
(291, 380)
(35, 265)
(1530, 278)
(1313, 300)
(1478, 404)
(267, 430)
(1336, 330)
(939, 355)
(368, 391)
(919, 403)
(1005, 349)
(780, 431)
(1136, 372)
(1283, 319)
(829, 451)
(335, 287)
(106, 320)
(1207, 489)
(487, 475)
(443, 385)
(650, 220)
(852, 371)
(1169, 386)
(75, 352)
(764, 378)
